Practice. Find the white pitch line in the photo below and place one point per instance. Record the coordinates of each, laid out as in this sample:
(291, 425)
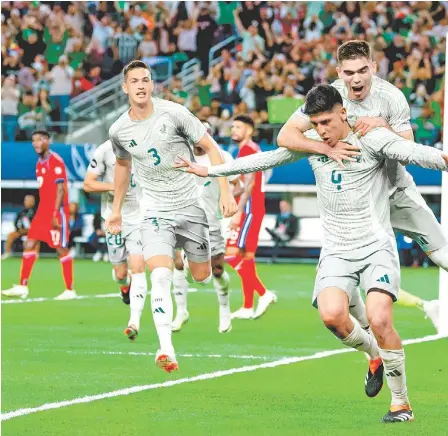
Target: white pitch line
(79, 297)
(40, 300)
(141, 353)
(208, 376)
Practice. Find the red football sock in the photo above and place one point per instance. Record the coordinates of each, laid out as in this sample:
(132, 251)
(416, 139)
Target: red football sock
(67, 271)
(234, 261)
(259, 287)
(246, 272)
(28, 259)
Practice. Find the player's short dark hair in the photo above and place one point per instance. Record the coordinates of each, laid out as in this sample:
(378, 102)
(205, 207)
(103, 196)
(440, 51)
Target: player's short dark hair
(354, 49)
(246, 119)
(134, 65)
(322, 98)
(42, 133)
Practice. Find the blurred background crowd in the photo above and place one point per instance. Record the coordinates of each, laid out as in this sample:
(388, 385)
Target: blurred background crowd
(55, 51)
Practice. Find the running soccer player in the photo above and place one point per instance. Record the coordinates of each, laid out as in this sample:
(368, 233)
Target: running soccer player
(152, 133)
(359, 245)
(50, 224)
(209, 200)
(125, 249)
(373, 102)
(246, 225)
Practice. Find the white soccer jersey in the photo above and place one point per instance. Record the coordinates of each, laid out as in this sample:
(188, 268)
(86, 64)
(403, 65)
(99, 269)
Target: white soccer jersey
(209, 192)
(103, 165)
(154, 145)
(388, 102)
(353, 202)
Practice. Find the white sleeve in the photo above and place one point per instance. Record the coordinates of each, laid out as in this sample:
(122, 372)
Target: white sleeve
(227, 159)
(97, 164)
(119, 150)
(388, 144)
(400, 113)
(189, 126)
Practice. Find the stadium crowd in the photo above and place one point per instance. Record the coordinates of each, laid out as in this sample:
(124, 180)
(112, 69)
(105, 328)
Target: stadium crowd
(53, 51)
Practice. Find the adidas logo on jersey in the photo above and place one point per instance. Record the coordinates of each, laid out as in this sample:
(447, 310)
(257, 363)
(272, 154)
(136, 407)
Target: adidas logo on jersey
(384, 279)
(132, 143)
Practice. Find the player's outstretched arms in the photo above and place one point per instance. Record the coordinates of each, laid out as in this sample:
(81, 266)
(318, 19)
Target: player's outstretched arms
(227, 203)
(92, 184)
(243, 165)
(393, 146)
(292, 137)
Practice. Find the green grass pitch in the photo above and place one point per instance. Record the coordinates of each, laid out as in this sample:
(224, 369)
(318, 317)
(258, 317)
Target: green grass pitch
(62, 350)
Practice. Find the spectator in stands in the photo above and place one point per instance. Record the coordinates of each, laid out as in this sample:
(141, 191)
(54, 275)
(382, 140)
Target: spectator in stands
(55, 37)
(147, 48)
(205, 38)
(286, 227)
(21, 224)
(10, 102)
(80, 83)
(102, 31)
(61, 87)
(97, 239)
(44, 108)
(111, 64)
(253, 43)
(226, 19)
(76, 54)
(127, 43)
(76, 225)
(27, 120)
(186, 33)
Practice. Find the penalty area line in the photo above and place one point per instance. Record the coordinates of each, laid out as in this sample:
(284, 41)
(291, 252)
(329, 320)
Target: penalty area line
(207, 376)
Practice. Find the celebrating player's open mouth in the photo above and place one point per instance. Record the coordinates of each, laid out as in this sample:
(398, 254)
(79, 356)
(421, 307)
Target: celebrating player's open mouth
(357, 90)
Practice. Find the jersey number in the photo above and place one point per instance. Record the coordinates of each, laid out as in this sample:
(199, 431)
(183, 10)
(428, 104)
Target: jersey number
(336, 178)
(133, 184)
(55, 236)
(115, 240)
(155, 156)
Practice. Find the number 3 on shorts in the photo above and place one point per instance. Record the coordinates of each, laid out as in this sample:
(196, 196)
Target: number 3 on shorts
(155, 156)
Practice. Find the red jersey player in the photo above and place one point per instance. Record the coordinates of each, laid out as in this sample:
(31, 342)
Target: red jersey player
(246, 225)
(51, 222)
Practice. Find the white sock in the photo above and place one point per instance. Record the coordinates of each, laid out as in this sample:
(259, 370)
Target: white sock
(137, 295)
(394, 370)
(358, 309)
(162, 306)
(360, 340)
(221, 285)
(180, 290)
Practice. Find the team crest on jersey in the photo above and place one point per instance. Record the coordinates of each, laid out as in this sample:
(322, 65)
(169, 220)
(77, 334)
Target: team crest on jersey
(132, 143)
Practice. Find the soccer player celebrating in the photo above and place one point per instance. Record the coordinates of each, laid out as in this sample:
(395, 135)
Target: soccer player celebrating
(125, 249)
(209, 200)
(152, 133)
(50, 224)
(246, 225)
(373, 102)
(359, 245)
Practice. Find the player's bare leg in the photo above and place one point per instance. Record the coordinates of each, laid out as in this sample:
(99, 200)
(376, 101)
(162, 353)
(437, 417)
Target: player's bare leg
(180, 291)
(120, 275)
(137, 293)
(221, 282)
(161, 268)
(379, 313)
(12, 237)
(29, 257)
(67, 273)
(333, 307)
